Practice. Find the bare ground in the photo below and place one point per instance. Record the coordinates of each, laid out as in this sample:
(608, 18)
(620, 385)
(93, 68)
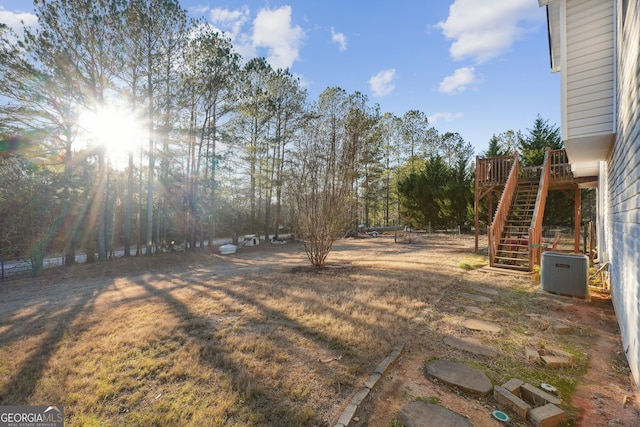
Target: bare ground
(259, 338)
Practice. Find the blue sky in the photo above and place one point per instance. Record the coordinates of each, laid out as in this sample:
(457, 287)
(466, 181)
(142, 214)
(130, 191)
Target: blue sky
(476, 67)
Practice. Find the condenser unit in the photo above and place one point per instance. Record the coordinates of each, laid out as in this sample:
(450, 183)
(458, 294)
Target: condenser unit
(565, 274)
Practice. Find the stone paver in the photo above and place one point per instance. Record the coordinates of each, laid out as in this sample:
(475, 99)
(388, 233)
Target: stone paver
(471, 345)
(420, 413)
(487, 291)
(462, 376)
(476, 298)
(481, 325)
(473, 309)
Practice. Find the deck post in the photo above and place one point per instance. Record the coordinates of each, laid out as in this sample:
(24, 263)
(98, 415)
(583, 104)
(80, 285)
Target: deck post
(577, 201)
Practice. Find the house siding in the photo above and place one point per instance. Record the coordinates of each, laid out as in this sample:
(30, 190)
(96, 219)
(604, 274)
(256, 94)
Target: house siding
(589, 68)
(622, 187)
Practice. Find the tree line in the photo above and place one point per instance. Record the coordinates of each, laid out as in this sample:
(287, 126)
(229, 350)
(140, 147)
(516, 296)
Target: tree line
(229, 145)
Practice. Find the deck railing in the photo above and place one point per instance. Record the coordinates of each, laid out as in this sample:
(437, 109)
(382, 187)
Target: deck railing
(559, 166)
(535, 230)
(495, 231)
(493, 170)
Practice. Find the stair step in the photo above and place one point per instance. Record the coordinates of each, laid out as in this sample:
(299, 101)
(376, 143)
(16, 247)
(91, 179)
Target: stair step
(504, 259)
(511, 266)
(513, 249)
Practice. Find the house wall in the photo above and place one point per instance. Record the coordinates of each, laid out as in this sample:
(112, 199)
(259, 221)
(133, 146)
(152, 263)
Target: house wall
(588, 68)
(622, 186)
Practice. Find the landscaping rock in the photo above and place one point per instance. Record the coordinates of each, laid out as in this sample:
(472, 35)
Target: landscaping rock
(481, 325)
(471, 345)
(462, 376)
(420, 414)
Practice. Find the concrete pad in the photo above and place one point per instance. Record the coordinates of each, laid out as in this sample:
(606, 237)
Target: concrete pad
(486, 291)
(481, 325)
(547, 416)
(476, 298)
(420, 413)
(473, 309)
(471, 345)
(462, 376)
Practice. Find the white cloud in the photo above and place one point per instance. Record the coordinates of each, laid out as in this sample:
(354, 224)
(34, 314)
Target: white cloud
(230, 21)
(382, 83)
(272, 29)
(340, 39)
(446, 116)
(458, 81)
(17, 20)
(484, 29)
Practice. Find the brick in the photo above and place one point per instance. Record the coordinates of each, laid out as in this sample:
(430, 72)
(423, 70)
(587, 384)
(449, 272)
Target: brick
(348, 413)
(384, 365)
(513, 386)
(561, 328)
(557, 361)
(535, 342)
(557, 352)
(511, 401)
(547, 416)
(531, 353)
(359, 396)
(373, 380)
(536, 396)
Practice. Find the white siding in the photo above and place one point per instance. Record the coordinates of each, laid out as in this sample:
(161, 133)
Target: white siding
(622, 221)
(589, 68)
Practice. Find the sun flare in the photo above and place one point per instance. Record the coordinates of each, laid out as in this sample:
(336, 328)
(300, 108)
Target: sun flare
(116, 129)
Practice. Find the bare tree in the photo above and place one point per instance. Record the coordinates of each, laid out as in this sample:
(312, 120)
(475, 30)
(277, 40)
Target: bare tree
(322, 174)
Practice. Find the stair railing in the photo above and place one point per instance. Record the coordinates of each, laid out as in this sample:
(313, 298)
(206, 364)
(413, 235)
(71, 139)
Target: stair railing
(497, 227)
(535, 230)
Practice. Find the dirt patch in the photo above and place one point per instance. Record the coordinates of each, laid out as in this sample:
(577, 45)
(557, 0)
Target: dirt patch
(261, 338)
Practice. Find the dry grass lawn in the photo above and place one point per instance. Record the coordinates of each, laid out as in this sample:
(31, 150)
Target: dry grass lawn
(207, 340)
(257, 338)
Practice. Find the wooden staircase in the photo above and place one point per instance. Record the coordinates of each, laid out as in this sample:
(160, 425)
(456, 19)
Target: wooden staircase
(513, 246)
(515, 236)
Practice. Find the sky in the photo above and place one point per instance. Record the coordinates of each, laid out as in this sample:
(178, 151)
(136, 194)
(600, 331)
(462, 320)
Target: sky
(476, 67)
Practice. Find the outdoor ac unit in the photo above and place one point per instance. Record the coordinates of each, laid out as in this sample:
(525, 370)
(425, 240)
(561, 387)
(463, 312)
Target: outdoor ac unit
(565, 274)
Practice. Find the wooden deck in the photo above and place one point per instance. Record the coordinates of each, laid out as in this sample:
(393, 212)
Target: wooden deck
(501, 176)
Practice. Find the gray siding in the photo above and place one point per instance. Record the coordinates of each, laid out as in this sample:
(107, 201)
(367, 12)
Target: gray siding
(622, 222)
(589, 68)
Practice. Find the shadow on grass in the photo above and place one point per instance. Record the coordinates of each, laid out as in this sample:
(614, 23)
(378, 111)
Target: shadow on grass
(54, 316)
